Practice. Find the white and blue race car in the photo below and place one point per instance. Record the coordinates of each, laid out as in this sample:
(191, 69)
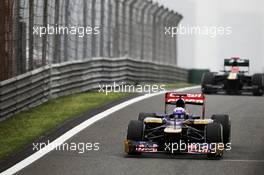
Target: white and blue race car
(178, 131)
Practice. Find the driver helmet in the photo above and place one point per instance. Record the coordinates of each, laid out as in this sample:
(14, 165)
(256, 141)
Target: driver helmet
(180, 103)
(179, 112)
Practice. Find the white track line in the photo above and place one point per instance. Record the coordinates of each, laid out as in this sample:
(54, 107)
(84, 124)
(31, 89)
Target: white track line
(243, 160)
(37, 155)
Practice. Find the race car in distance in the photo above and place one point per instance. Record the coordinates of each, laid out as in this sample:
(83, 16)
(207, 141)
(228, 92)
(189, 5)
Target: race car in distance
(179, 131)
(233, 80)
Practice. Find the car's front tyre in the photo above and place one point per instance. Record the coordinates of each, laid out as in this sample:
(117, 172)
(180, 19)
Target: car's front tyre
(135, 132)
(208, 79)
(258, 84)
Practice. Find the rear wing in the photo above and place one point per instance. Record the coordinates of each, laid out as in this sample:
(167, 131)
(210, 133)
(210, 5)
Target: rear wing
(239, 62)
(189, 98)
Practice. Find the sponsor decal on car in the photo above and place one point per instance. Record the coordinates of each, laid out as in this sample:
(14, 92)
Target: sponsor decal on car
(143, 147)
(198, 148)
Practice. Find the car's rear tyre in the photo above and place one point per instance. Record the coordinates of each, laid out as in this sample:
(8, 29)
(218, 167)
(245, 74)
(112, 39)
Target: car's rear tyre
(226, 124)
(214, 135)
(258, 83)
(207, 79)
(144, 115)
(135, 132)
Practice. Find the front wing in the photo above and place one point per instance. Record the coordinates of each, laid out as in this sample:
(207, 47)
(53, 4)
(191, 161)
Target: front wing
(152, 147)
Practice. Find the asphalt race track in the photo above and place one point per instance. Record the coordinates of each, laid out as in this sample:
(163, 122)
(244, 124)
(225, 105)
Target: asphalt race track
(246, 157)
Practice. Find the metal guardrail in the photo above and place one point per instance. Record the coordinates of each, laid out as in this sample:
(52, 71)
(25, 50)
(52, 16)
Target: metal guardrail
(40, 85)
(35, 33)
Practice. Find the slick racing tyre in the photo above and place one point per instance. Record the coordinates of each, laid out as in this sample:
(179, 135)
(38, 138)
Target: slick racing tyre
(258, 83)
(135, 130)
(214, 135)
(207, 79)
(226, 124)
(144, 115)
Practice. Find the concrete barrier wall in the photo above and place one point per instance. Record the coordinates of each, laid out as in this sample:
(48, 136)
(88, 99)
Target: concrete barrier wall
(40, 85)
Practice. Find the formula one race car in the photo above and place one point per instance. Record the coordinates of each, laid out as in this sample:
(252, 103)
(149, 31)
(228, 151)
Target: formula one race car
(179, 131)
(233, 80)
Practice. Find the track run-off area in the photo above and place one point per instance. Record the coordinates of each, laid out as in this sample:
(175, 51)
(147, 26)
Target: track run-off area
(108, 133)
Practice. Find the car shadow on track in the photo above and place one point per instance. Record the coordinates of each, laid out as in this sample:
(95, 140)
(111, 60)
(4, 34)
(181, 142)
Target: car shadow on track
(169, 156)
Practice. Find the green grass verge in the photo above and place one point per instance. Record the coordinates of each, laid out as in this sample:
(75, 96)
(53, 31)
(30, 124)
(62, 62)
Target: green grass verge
(23, 128)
